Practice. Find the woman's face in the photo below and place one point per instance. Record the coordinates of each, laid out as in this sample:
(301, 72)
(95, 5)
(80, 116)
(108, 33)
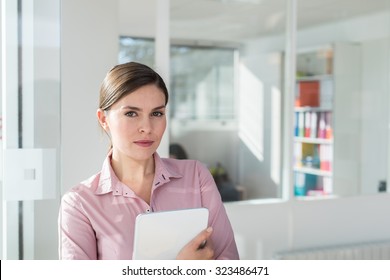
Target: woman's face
(136, 123)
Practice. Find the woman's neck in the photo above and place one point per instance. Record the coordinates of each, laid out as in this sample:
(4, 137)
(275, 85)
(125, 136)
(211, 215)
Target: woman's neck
(138, 175)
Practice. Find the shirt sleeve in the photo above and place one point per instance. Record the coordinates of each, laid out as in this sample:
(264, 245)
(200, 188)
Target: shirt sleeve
(222, 237)
(76, 235)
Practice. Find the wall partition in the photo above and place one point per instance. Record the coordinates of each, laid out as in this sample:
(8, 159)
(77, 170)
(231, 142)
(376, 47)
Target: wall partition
(30, 125)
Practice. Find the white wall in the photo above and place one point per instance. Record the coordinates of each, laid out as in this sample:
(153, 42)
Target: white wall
(260, 103)
(374, 115)
(89, 48)
(137, 18)
(265, 227)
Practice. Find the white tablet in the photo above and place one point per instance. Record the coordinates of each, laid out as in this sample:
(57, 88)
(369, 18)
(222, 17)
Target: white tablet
(161, 235)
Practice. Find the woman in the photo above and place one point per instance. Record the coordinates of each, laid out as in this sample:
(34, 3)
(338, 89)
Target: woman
(97, 216)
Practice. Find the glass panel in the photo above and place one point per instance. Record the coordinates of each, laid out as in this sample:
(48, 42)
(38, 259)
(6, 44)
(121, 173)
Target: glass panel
(206, 89)
(242, 150)
(31, 128)
(341, 143)
(136, 49)
(226, 89)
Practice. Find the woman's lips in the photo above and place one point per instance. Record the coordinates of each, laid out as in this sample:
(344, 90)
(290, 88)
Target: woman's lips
(144, 143)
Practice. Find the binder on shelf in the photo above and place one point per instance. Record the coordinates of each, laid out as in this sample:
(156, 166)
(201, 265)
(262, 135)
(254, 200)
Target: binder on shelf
(309, 93)
(307, 124)
(299, 184)
(301, 124)
(325, 157)
(310, 182)
(328, 126)
(296, 124)
(297, 100)
(313, 125)
(321, 126)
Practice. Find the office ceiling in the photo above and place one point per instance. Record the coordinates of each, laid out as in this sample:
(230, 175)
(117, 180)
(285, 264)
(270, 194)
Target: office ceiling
(234, 20)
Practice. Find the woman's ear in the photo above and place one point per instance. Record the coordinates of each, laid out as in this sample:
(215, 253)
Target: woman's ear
(102, 118)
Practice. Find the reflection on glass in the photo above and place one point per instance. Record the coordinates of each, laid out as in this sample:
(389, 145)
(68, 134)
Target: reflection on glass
(341, 110)
(248, 146)
(202, 83)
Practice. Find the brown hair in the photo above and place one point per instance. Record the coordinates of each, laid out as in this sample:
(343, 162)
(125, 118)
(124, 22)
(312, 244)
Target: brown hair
(126, 78)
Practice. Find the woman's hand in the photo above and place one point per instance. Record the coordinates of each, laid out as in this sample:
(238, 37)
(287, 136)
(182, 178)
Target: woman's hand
(199, 248)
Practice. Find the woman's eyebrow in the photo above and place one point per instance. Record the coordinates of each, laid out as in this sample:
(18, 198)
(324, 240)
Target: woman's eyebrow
(130, 108)
(159, 107)
(139, 109)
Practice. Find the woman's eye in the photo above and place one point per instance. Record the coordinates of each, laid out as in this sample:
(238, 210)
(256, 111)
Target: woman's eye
(157, 114)
(131, 114)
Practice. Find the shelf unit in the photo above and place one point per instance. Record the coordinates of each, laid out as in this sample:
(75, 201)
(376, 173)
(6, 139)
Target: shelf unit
(326, 137)
(313, 135)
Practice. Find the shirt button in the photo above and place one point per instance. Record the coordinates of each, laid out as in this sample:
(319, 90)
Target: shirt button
(147, 210)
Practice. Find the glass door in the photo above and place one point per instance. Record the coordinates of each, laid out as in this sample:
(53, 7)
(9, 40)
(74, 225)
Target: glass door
(30, 127)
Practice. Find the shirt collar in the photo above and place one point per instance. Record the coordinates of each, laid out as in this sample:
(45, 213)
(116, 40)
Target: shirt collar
(163, 172)
(109, 182)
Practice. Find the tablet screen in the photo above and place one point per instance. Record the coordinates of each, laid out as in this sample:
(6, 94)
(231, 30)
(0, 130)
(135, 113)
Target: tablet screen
(161, 235)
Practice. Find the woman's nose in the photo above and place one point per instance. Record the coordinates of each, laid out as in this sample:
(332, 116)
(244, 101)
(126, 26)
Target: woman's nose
(145, 126)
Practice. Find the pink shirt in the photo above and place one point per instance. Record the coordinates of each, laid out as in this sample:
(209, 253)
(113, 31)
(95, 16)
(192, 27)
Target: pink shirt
(97, 216)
